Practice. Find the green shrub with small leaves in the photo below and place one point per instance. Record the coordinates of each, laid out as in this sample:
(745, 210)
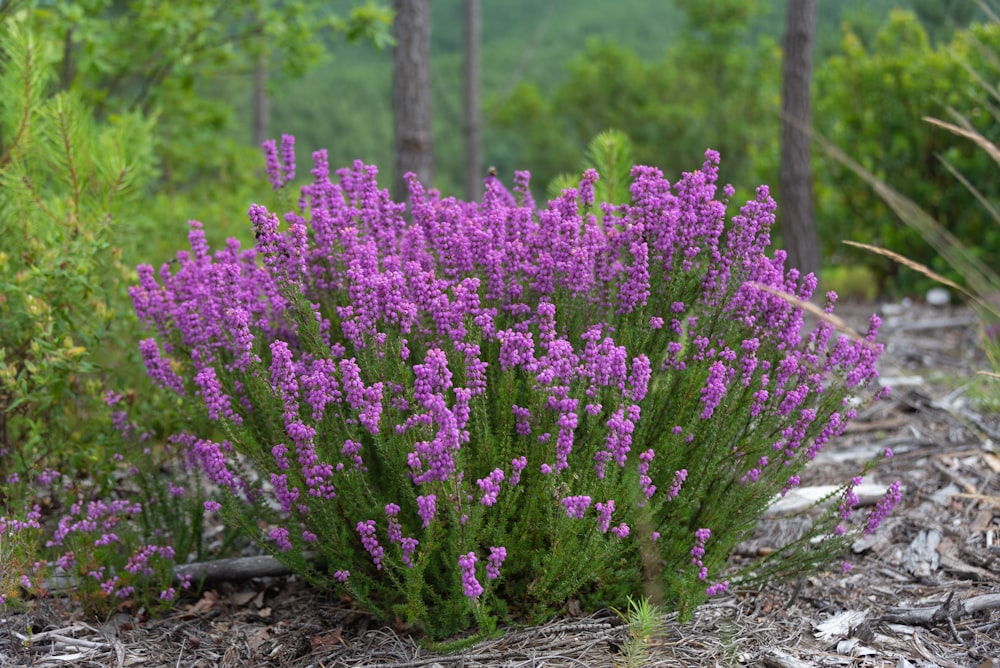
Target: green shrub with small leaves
(63, 181)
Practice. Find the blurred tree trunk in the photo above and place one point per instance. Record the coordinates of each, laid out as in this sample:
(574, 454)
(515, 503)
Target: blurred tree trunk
(411, 95)
(472, 125)
(795, 210)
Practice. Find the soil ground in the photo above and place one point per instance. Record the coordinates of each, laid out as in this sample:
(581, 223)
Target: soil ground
(923, 591)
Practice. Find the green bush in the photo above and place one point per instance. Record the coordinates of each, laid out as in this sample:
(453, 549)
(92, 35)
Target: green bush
(63, 181)
(83, 498)
(902, 77)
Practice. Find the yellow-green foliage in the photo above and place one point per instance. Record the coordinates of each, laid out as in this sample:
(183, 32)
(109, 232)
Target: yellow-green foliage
(63, 179)
(852, 282)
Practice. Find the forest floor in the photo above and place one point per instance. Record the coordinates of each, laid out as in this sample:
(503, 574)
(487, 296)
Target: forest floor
(923, 591)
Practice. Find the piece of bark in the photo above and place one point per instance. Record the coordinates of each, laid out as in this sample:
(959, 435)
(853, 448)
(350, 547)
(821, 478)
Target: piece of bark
(776, 658)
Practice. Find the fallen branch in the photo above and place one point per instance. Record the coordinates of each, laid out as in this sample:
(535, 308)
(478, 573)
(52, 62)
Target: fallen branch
(234, 569)
(949, 610)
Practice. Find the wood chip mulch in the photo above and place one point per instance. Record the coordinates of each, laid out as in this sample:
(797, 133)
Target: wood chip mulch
(923, 591)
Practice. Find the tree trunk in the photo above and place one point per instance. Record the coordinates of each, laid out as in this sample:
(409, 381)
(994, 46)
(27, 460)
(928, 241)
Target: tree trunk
(795, 210)
(411, 95)
(472, 125)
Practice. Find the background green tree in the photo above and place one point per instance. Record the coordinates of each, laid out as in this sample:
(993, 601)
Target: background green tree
(188, 64)
(712, 88)
(899, 79)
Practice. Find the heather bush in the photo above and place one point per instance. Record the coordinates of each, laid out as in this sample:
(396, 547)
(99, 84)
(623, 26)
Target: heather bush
(460, 412)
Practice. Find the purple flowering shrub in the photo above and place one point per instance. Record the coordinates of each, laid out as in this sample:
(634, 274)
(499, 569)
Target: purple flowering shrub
(111, 539)
(493, 407)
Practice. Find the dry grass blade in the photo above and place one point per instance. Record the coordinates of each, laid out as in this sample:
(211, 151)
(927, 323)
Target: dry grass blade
(989, 12)
(907, 262)
(838, 323)
(981, 278)
(986, 204)
(926, 271)
(968, 132)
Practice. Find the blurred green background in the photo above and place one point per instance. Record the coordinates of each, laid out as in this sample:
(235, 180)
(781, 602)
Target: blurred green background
(678, 76)
(682, 76)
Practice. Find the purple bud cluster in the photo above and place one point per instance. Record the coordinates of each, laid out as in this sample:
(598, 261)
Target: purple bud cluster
(884, 506)
(471, 586)
(496, 559)
(370, 542)
(280, 169)
(576, 506)
(490, 487)
(701, 537)
(604, 512)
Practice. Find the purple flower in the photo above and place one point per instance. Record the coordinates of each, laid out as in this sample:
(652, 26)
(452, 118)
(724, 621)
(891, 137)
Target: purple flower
(395, 529)
(490, 487)
(321, 386)
(567, 423)
(158, 368)
(370, 542)
(471, 586)
(426, 506)
(850, 501)
(216, 401)
(621, 531)
(701, 536)
(284, 374)
(409, 546)
(497, 556)
(618, 441)
(273, 166)
(516, 349)
(352, 450)
(576, 506)
(604, 512)
(288, 157)
(648, 488)
(714, 390)
(717, 588)
(638, 381)
(286, 496)
(211, 457)
(884, 506)
(522, 417)
(517, 465)
(280, 536)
